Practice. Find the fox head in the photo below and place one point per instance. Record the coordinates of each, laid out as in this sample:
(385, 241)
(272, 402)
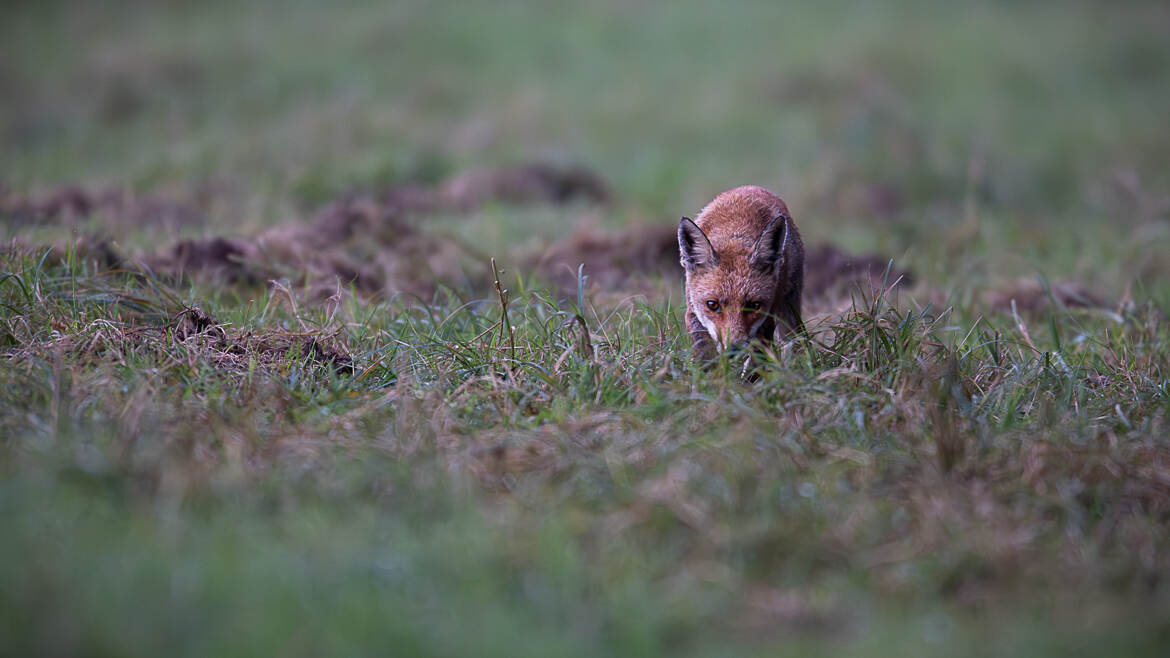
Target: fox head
(732, 286)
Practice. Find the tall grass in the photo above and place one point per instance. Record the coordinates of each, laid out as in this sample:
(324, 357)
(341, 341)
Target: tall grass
(574, 485)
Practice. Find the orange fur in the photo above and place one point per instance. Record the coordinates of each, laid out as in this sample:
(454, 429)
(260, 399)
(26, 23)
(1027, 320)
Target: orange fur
(744, 264)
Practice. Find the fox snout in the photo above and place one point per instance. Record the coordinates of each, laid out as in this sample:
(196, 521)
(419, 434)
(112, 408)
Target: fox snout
(734, 336)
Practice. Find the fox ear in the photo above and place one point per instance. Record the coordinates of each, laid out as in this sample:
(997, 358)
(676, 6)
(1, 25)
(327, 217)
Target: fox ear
(768, 253)
(695, 250)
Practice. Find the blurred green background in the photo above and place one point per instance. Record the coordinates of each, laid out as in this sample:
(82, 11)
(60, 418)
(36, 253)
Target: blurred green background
(1031, 105)
(882, 124)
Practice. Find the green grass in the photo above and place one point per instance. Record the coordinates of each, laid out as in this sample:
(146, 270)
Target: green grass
(909, 473)
(931, 473)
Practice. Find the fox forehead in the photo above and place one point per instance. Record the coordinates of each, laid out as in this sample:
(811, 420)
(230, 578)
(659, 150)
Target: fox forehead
(732, 281)
(733, 221)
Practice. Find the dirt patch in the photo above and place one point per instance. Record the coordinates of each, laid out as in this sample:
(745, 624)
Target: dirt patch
(84, 248)
(318, 351)
(1032, 295)
(356, 243)
(193, 322)
(370, 244)
(117, 208)
(829, 271)
(364, 241)
(202, 338)
(632, 259)
(530, 183)
(626, 260)
(523, 184)
(274, 351)
(226, 257)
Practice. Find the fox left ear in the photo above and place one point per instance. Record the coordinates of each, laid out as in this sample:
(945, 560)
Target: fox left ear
(695, 250)
(768, 253)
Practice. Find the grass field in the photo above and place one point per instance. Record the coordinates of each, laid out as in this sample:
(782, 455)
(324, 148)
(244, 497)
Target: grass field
(260, 394)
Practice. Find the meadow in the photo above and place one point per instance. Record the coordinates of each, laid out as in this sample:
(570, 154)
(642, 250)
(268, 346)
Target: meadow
(354, 328)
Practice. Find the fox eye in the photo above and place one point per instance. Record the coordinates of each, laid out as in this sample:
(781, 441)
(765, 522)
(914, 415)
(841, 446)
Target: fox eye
(713, 305)
(752, 306)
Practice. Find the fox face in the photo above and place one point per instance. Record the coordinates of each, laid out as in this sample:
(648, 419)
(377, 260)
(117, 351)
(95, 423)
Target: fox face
(744, 264)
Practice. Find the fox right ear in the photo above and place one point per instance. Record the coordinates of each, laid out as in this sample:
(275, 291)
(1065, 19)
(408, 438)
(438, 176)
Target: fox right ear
(768, 253)
(695, 250)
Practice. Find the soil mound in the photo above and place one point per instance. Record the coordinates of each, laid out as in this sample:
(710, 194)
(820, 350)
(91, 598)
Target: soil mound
(235, 352)
(1032, 295)
(631, 259)
(118, 208)
(367, 241)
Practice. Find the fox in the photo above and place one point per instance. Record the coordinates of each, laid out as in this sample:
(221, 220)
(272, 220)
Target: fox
(744, 266)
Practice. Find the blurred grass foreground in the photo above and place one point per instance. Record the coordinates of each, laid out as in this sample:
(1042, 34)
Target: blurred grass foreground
(261, 395)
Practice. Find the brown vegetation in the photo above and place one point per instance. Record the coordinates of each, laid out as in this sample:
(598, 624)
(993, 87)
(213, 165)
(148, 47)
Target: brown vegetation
(362, 240)
(193, 335)
(370, 243)
(631, 260)
(116, 207)
(1032, 295)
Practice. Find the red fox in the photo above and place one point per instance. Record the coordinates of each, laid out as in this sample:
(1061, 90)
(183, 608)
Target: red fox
(744, 263)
